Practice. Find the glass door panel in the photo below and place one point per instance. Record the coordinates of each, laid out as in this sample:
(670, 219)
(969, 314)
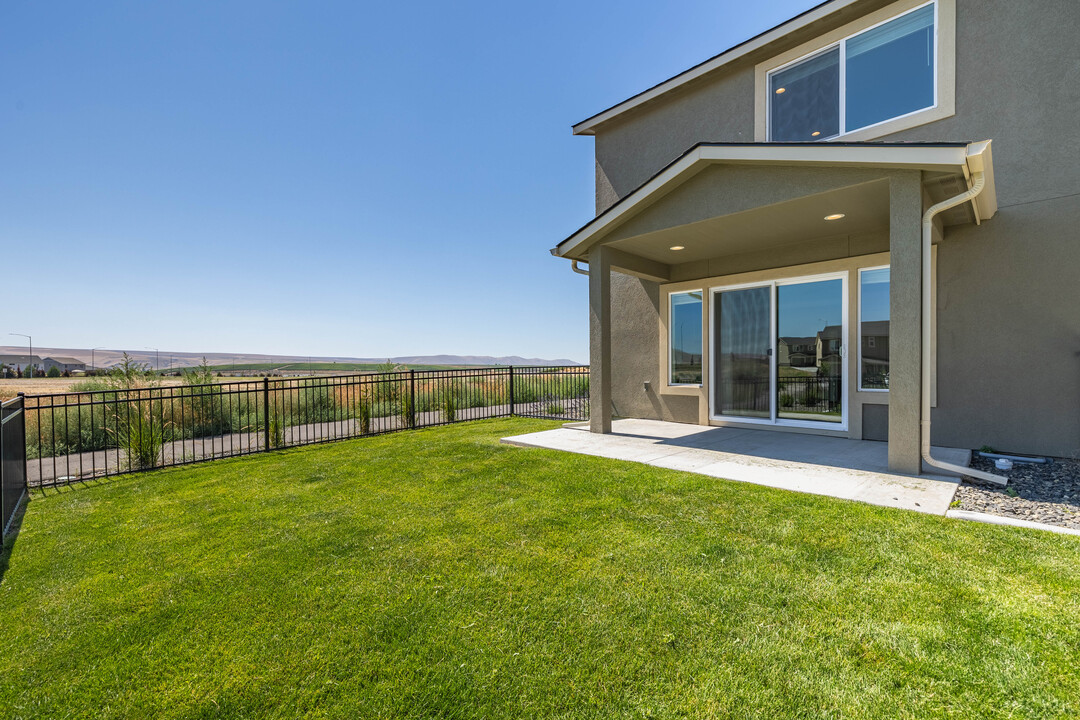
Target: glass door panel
(810, 350)
(743, 352)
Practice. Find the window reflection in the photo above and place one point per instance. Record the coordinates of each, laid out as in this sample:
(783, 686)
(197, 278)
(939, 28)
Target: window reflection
(806, 99)
(810, 342)
(685, 338)
(874, 329)
(742, 352)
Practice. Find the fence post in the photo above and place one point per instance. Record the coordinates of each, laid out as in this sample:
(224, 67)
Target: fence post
(412, 399)
(25, 452)
(511, 391)
(266, 414)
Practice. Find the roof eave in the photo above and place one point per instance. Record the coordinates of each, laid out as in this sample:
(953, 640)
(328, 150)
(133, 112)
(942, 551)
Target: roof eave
(588, 126)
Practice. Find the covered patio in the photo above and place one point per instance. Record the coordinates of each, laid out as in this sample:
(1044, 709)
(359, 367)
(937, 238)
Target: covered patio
(781, 219)
(836, 467)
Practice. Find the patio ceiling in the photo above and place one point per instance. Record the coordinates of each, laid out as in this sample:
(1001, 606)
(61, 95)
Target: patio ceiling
(865, 208)
(739, 197)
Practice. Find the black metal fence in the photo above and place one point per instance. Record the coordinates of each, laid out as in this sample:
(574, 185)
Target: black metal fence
(811, 395)
(83, 435)
(12, 459)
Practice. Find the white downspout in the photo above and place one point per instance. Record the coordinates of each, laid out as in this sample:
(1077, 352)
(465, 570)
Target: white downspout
(978, 182)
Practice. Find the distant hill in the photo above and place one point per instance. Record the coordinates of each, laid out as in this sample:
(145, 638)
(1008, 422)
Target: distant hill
(108, 358)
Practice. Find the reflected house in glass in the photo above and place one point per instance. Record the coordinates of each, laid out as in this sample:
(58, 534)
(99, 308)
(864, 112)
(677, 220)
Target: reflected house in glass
(800, 352)
(809, 232)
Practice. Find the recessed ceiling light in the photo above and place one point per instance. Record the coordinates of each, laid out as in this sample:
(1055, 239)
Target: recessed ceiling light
(815, 133)
(677, 247)
(780, 91)
(835, 216)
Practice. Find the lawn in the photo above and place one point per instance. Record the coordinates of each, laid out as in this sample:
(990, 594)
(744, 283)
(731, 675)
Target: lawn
(438, 573)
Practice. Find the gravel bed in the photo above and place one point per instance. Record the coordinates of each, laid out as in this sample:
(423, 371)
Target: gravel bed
(1048, 494)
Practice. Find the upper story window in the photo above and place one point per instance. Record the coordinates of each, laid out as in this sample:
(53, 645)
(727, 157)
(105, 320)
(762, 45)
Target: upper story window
(879, 74)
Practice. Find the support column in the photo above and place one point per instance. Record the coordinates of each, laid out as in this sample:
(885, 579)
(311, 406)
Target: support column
(599, 340)
(905, 320)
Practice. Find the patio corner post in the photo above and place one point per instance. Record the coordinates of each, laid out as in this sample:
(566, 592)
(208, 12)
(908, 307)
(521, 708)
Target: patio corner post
(599, 340)
(905, 320)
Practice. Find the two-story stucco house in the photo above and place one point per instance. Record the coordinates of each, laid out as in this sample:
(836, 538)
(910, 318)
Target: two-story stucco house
(895, 182)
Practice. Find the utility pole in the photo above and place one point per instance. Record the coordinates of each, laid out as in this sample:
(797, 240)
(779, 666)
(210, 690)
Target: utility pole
(157, 359)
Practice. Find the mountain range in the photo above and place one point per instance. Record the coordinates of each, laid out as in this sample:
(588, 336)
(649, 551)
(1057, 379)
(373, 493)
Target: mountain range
(103, 357)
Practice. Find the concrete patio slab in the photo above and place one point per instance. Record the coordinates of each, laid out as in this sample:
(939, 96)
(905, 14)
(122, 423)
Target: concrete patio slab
(837, 467)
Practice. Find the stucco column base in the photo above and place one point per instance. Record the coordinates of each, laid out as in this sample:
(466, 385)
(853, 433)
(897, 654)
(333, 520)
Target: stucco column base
(599, 340)
(905, 320)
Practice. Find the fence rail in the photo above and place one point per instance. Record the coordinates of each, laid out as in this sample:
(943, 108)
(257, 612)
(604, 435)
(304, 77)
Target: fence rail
(77, 436)
(811, 394)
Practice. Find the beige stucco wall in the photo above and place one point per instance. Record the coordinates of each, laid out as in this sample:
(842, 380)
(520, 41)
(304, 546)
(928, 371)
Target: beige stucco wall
(1008, 328)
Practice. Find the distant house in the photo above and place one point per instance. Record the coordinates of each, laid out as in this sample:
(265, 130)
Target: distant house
(797, 351)
(874, 354)
(64, 364)
(828, 345)
(20, 362)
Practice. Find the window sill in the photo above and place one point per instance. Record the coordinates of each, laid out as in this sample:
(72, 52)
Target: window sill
(694, 390)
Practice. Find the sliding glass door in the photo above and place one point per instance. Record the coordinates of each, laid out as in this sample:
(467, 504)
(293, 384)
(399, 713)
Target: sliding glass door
(742, 331)
(778, 352)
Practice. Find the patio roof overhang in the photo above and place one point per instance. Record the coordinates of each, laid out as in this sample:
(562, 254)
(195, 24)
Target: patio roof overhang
(775, 195)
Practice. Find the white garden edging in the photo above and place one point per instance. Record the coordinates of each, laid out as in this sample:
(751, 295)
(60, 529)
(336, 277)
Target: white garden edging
(1001, 520)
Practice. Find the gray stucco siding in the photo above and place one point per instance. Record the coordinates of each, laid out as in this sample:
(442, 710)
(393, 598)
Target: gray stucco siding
(629, 152)
(1008, 328)
(1009, 331)
(634, 339)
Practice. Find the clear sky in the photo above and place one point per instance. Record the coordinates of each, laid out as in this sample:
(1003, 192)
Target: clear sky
(317, 177)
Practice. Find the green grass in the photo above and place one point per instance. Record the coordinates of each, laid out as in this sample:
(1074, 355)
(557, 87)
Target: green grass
(440, 574)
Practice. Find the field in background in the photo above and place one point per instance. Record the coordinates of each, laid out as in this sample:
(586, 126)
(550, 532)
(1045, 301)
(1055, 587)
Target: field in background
(324, 368)
(11, 387)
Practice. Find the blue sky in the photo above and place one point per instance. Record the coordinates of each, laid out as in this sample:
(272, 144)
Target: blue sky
(324, 178)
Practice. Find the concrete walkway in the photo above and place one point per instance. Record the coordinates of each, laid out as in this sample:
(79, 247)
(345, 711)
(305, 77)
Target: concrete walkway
(837, 467)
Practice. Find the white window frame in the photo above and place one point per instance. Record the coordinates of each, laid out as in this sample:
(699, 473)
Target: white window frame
(774, 419)
(858, 329)
(944, 73)
(670, 345)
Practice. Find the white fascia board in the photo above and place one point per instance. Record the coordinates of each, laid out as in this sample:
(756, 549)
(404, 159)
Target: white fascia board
(588, 126)
(948, 159)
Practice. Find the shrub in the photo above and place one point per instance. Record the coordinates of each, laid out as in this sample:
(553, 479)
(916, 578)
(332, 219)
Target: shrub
(554, 408)
(406, 411)
(54, 372)
(787, 400)
(364, 415)
(275, 433)
(449, 407)
(140, 430)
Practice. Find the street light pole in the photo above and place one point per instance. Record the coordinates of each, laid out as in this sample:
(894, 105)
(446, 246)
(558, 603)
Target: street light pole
(93, 365)
(30, 359)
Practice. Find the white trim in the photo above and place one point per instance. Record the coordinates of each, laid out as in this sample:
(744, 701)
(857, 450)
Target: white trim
(859, 322)
(842, 70)
(588, 126)
(667, 371)
(774, 410)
